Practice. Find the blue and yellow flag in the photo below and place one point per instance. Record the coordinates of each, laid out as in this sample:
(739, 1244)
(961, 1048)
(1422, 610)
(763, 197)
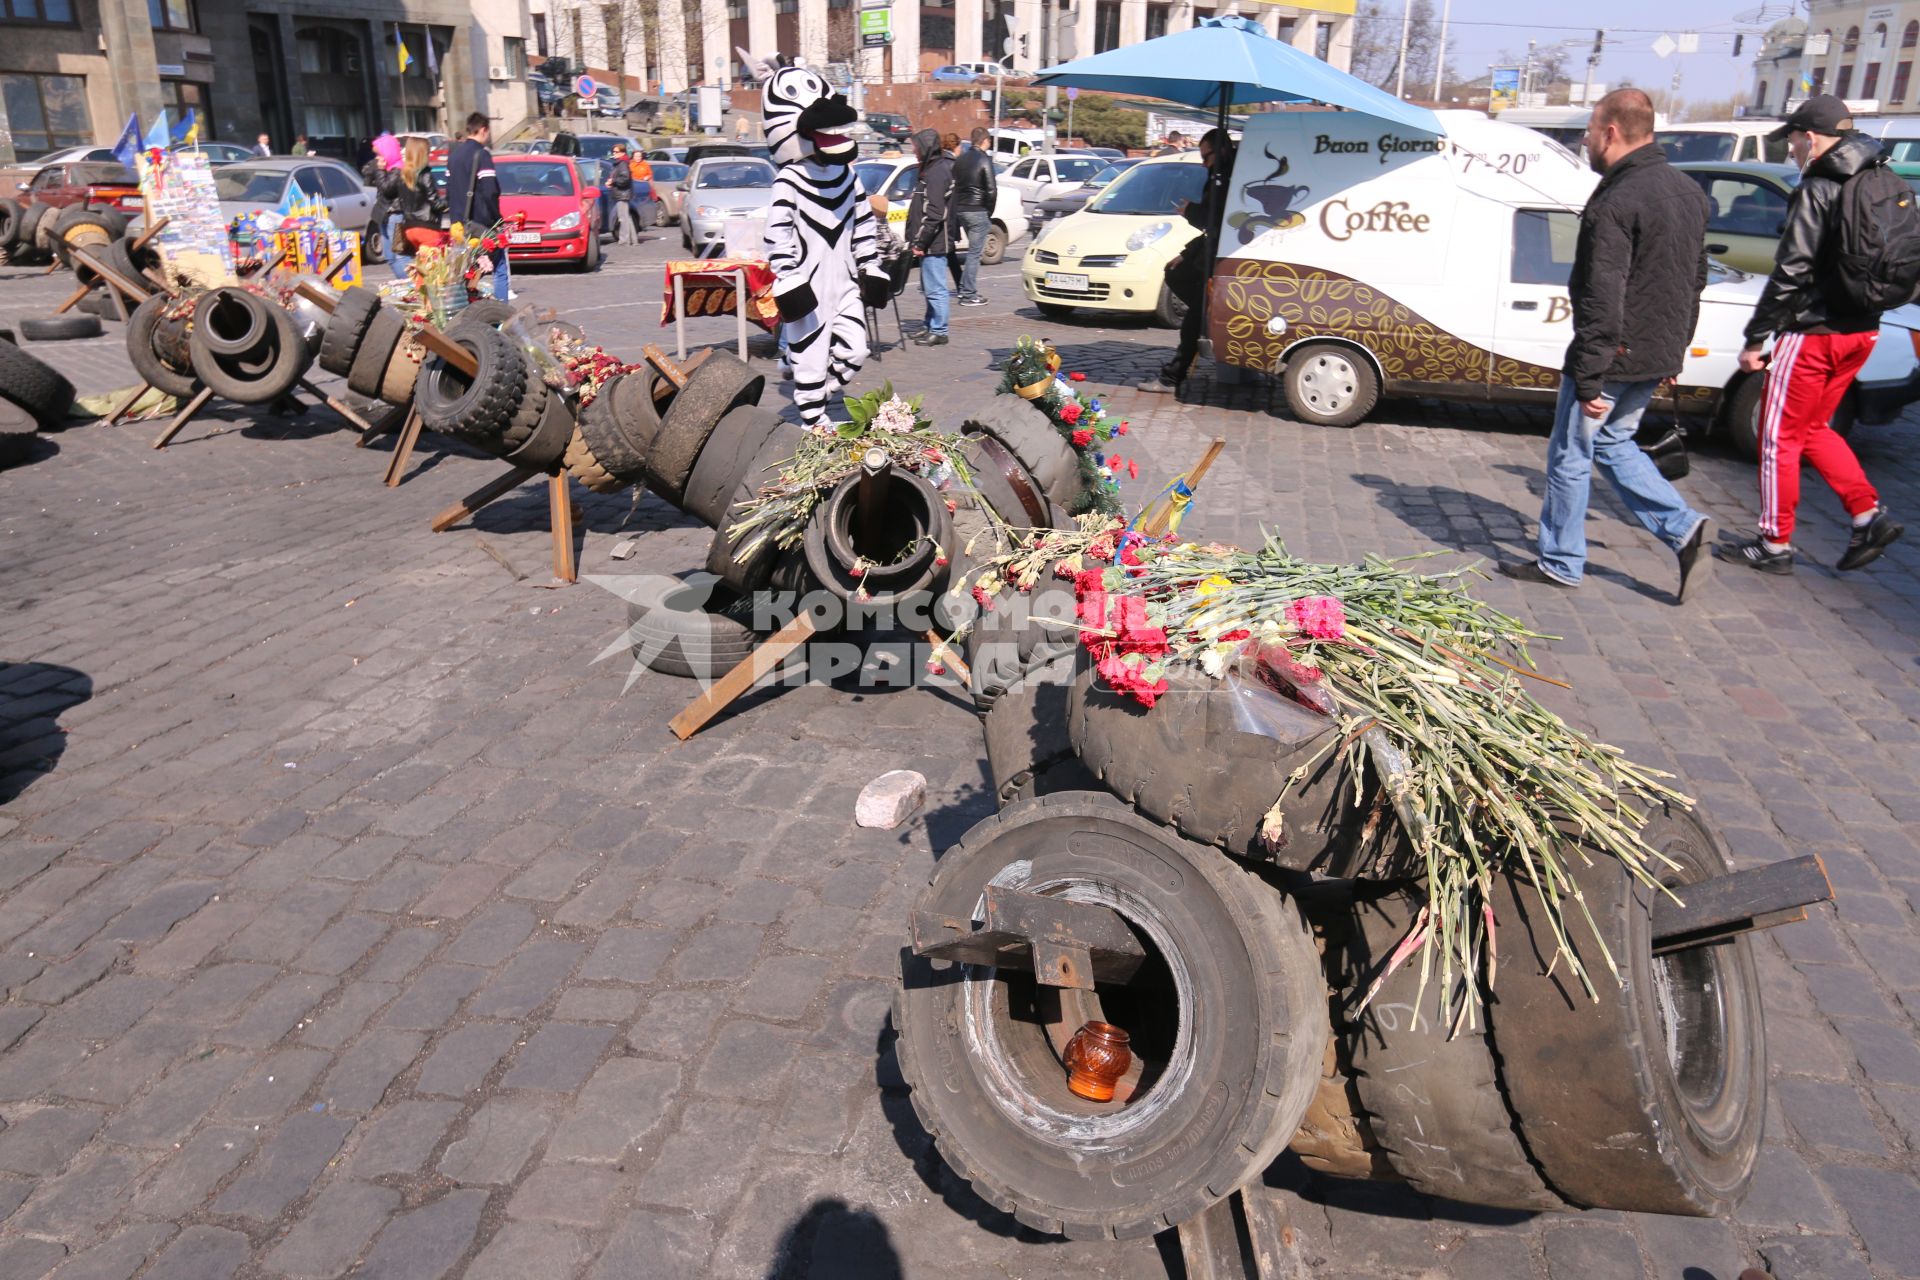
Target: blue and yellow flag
(129, 143)
(406, 56)
(159, 136)
(187, 132)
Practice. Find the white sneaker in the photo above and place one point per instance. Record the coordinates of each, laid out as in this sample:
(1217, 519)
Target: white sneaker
(511, 295)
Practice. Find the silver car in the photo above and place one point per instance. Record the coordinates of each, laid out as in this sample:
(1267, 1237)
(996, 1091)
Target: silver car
(262, 184)
(715, 187)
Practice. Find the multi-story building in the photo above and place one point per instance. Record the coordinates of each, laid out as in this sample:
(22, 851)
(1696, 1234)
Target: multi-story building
(668, 47)
(72, 71)
(1858, 51)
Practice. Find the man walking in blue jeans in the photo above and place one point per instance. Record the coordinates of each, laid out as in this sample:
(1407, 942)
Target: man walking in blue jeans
(473, 193)
(927, 233)
(1638, 270)
(974, 193)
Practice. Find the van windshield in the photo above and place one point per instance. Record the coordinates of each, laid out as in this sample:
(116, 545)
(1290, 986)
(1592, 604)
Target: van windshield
(1151, 189)
(1682, 145)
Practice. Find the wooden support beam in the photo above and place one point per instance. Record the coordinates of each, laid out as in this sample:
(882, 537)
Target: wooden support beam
(759, 664)
(1064, 944)
(152, 229)
(1740, 902)
(125, 286)
(119, 411)
(185, 416)
(403, 449)
(481, 497)
(560, 519)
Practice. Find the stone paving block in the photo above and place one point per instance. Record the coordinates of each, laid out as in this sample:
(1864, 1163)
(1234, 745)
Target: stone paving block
(286, 1166)
(399, 1139)
(674, 904)
(274, 1085)
(662, 1246)
(571, 1194)
(464, 1057)
(174, 1106)
(1881, 1207)
(362, 1074)
(30, 1259)
(78, 1203)
(107, 1008)
(341, 1019)
(558, 1058)
(119, 1256)
(277, 1011)
(719, 953)
(627, 955)
(342, 945)
(527, 981)
(621, 1106)
(64, 981)
(500, 1136)
(40, 1142)
(1886, 1051)
(748, 1060)
(195, 938)
(183, 1180)
(523, 1249)
(16, 1022)
(1706, 1246)
(200, 1253)
(125, 1066)
(597, 1004)
(493, 935)
(783, 986)
(334, 1231)
(705, 1159)
(1813, 1258)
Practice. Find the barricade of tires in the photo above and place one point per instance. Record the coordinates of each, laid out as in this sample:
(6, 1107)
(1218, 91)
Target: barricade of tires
(243, 346)
(1650, 1098)
(33, 396)
(41, 233)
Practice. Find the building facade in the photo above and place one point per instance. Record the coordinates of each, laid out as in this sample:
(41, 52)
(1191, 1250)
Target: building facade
(668, 47)
(1864, 53)
(72, 71)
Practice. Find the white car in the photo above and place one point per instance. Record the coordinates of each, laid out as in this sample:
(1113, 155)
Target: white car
(1039, 178)
(1349, 246)
(890, 184)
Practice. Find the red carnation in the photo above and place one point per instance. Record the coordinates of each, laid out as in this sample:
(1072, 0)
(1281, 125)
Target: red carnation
(1070, 412)
(1082, 438)
(1077, 376)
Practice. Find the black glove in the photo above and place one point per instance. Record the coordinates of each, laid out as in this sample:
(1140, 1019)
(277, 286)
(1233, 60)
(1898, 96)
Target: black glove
(876, 291)
(796, 303)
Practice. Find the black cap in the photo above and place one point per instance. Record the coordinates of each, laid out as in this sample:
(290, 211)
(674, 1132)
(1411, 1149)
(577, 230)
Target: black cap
(1822, 113)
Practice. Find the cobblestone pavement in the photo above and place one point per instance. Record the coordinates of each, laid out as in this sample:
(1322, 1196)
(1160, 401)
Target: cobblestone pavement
(352, 916)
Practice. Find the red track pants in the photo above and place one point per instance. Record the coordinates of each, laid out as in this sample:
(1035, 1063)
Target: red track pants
(1809, 374)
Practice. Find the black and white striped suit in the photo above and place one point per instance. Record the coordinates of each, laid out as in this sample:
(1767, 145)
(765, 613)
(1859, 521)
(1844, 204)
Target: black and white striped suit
(821, 234)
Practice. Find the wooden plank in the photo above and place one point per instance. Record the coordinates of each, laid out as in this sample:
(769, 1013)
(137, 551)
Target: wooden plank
(560, 515)
(450, 351)
(1734, 903)
(481, 497)
(1275, 1243)
(127, 287)
(153, 229)
(339, 406)
(666, 368)
(1210, 1244)
(1064, 944)
(759, 664)
(403, 451)
(119, 411)
(392, 420)
(954, 662)
(185, 416)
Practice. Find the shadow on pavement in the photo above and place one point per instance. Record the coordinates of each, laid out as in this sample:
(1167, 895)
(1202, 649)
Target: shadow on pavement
(32, 697)
(834, 1240)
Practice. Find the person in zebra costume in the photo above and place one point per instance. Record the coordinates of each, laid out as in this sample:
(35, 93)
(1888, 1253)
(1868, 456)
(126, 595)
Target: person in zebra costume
(822, 239)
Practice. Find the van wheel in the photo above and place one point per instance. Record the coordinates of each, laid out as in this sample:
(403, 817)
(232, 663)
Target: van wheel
(1169, 311)
(1330, 386)
(995, 249)
(1054, 311)
(1741, 420)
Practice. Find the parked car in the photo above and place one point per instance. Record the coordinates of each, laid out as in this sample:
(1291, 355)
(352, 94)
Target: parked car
(669, 181)
(434, 141)
(890, 184)
(895, 128)
(262, 184)
(1113, 254)
(606, 102)
(674, 155)
(701, 150)
(14, 177)
(219, 153)
(1038, 178)
(545, 91)
(560, 213)
(1722, 140)
(716, 187)
(1746, 210)
(1074, 201)
(958, 73)
(596, 146)
(92, 183)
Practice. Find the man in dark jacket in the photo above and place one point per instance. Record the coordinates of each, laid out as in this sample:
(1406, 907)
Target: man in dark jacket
(1187, 274)
(473, 192)
(1822, 338)
(1638, 269)
(975, 189)
(620, 188)
(927, 232)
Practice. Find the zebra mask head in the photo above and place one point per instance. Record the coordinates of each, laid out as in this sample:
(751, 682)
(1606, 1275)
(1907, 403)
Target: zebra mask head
(800, 111)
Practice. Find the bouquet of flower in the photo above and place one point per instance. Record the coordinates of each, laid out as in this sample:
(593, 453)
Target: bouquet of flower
(1032, 372)
(1495, 783)
(582, 369)
(449, 276)
(878, 419)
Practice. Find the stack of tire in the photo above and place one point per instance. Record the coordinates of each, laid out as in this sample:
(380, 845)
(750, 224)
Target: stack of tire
(505, 409)
(33, 397)
(158, 345)
(1648, 1095)
(42, 232)
(244, 346)
(366, 342)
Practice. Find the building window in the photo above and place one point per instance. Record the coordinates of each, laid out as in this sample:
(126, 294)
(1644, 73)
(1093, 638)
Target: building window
(1156, 21)
(1901, 74)
(513, 52)
(1869, 79)
(1879, 38)
(1819, 81)
(1760, 96)
(1843, 81)
(58, 11)
(182, 96)
(1852, 41)
(540, 34)
(736, 10)
(1106, 26)
(46, 112)
(1911, 36)
(786, 6)
(170, 15)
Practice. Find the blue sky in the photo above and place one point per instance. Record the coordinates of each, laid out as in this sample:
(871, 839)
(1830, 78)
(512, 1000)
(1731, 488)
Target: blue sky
(1481, 28)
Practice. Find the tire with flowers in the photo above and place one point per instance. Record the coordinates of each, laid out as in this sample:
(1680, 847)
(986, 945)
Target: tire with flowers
(746, 565)
(1017, 633)
(146, 357)
(1431, 1088)
(1195, 762)
(1030, 437)
(1227, 1020)
(598, 455)
(1664, 1111)
(403, 370)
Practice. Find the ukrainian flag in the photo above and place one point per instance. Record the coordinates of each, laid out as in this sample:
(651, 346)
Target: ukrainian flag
(406, 55)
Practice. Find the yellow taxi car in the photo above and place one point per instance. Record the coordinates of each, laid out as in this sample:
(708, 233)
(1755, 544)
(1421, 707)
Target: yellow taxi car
(1113, 254)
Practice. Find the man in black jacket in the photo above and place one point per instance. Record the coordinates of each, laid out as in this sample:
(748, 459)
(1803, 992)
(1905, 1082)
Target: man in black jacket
(1638, 269)
(1188, 273)
(1823, 338)
(473, 192)
(927, 233)
(975, 189)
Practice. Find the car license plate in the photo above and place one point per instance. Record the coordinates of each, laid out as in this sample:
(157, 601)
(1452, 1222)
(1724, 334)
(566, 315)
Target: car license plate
(1069, 282)
(523, 237)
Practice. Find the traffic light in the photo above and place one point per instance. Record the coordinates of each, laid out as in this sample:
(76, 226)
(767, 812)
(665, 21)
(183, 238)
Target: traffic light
(1599, 38)
(1736, 44)
(1023, 44)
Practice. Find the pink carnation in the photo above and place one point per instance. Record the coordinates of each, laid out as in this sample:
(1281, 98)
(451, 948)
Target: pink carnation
(1318, 617)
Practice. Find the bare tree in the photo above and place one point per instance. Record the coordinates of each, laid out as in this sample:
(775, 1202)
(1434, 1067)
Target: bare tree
(1376, 45)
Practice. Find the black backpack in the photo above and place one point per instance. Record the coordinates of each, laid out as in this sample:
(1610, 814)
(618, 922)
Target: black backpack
(1879, 240)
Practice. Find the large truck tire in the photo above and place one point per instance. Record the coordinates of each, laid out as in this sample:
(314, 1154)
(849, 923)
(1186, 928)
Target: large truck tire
(1228, 1021)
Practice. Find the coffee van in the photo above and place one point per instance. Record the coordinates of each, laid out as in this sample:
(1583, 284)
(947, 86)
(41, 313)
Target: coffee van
(1359, 258)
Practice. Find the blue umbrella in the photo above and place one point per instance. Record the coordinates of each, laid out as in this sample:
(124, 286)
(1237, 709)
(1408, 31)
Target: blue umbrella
(1231, 61)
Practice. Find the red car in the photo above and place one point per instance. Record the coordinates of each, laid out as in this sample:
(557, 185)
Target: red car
(92, 183)
(561, 214)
